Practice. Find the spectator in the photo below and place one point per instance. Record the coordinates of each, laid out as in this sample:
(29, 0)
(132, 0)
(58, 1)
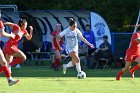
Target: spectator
(89, 36)
(104, 50)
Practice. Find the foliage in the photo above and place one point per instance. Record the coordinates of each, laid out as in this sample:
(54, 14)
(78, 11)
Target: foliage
(117, 13)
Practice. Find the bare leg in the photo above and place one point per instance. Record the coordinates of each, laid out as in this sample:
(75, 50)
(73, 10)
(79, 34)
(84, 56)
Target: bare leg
(75, 57)
(20, 57)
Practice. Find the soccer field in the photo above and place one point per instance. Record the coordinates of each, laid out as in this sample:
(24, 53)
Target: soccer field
(46, 80)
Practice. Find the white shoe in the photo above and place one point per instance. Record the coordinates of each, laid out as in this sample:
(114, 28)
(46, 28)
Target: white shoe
(64, 68)
(18, 66)
(12, 82)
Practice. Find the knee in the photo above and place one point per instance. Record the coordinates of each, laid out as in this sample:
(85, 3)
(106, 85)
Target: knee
(73, 62)
(78, 60)
(58, 57)
(126, 69)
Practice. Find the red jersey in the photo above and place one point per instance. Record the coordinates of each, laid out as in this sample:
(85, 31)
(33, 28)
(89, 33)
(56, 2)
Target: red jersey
(1, 24)
(1, 27)
(134, 48)
(11, 46)
(18, 32)
(55, 33)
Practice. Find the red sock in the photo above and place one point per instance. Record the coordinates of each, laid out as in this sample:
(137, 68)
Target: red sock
(16, 61)
(1, 70)
(135, 68)
(6, 71)
(119, 75)
(57, 62)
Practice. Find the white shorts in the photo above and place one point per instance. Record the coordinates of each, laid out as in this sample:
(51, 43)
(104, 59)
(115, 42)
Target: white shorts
(68, 50)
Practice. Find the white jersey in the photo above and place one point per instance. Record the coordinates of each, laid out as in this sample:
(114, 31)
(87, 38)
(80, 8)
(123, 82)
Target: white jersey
(71, 39)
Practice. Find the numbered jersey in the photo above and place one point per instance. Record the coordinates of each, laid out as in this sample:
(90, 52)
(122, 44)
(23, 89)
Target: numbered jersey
(1, 24)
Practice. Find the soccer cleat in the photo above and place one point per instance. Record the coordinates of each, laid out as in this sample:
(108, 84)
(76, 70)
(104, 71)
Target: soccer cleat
(64, 68)
(12, 82)
(18, 66)
(131, 74)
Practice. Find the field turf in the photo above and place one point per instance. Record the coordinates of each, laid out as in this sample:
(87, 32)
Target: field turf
(41, 79)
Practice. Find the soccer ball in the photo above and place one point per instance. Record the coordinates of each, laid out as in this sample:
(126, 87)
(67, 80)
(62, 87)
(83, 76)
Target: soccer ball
(81, 75)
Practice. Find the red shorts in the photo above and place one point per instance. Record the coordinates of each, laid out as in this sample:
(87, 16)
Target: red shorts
(10, 50)
(131, 57)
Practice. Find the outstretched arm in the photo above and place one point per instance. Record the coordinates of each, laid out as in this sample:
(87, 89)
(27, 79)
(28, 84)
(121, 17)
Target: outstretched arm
(85, 41)
(29, 36)
(3, 33)
(8, 24)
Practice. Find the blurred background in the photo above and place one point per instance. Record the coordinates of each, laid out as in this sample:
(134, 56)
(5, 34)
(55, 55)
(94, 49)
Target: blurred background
(44, 14)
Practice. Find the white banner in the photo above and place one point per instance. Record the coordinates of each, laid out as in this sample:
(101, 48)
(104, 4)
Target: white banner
(137, 22)
(100, 28)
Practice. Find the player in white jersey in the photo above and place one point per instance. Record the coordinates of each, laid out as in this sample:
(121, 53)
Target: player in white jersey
(71, 41)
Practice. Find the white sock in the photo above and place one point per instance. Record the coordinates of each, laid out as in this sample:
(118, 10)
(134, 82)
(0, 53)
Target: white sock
(10, 78)
(69, 64)
(78, 67)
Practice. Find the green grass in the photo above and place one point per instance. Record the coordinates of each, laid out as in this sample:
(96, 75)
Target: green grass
(46, 80)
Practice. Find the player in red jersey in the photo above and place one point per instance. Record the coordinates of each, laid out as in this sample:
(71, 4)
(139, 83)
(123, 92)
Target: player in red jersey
(11, 48)
(4, 68)
(56, 45)
(132, 54)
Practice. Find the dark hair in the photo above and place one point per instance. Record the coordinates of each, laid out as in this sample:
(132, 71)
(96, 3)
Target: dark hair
(71, 21)
(87, 24)
(105, 36)
(21, 22)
